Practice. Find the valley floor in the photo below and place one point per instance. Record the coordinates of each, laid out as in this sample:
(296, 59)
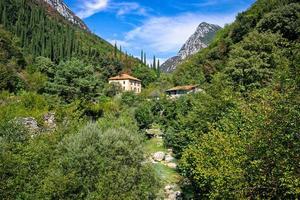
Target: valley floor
(165, 166)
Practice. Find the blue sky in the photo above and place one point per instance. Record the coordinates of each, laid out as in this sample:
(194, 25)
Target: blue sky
(159, 27)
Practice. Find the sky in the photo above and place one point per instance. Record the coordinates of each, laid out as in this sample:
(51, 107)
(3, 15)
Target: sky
(159, 27)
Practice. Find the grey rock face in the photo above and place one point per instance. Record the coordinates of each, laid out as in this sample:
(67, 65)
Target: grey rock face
(66, 12)
(199, 40)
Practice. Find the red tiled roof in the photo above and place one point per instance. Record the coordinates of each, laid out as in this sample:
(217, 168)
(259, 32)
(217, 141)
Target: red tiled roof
(124, 77)
(184, 88)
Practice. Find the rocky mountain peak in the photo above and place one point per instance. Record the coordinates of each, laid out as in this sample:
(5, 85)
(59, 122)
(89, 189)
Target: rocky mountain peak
(203, 35)
(66, 12)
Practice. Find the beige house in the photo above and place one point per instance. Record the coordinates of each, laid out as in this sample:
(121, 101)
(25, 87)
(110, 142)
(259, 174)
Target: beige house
(182, 90)
(127, 82)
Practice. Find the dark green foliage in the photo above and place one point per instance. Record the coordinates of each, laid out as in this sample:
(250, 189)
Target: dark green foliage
(145, 74)
(154, 63)
(12, 131)
(130, 99)
(144, 116)
(9, 79)
(218, 173)
(91, 163)
(272, 166)
(252, 62)
(9, 52)
(285, 20)
(74, 79)
(103, 164)
(112, 89)
(43, 65)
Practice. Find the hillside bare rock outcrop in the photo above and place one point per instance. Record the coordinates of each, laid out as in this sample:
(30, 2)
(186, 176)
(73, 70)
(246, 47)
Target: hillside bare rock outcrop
(199, 40)
(67, 13)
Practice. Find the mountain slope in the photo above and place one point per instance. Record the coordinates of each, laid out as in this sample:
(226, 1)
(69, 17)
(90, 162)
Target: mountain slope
(46, 29)
(63, 9)
(199, 40)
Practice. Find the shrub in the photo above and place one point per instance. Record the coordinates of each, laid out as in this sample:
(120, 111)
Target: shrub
(144, 116)
(102, 164)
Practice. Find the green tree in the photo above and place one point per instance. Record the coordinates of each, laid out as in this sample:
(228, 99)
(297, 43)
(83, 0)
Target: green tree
(214, 165)
(74, 79)
(10, 80)
(272, 169)
(253, 61)
(144, 116)
(104, 164)
(284, 20)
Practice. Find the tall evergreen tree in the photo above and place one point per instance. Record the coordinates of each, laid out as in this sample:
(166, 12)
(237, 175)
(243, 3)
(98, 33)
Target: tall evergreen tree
(4, 17)
(115, 50)
(154, 63)
(145, 59)
(142, 55)
(158, 68)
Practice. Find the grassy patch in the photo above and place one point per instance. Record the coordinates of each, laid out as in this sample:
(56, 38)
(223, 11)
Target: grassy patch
(166, 174)
(154, 145)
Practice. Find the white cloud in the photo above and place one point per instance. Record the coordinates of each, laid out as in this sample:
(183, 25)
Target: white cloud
(124, 8)
(168, 34)
(87, 8)
(90, 7)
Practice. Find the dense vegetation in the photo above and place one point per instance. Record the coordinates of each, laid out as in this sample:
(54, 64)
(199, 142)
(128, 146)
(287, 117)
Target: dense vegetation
(239, 139)
(29, 30)
(50, 66)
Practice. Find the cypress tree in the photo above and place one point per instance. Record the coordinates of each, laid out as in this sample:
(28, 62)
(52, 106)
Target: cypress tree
(115, 50)
(145, 59)
(142, 55)
(4, 17)
(154, 63)
(158, 68)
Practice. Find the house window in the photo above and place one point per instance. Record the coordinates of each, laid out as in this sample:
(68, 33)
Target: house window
(123, 82)
(123, 88)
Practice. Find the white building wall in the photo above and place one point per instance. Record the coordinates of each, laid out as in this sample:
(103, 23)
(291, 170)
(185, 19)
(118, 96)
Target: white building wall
(129, 85)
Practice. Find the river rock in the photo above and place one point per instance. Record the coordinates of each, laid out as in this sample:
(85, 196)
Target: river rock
(169, 158)
(172, 165)
(171, 193)
(159, 156)
(154, 132)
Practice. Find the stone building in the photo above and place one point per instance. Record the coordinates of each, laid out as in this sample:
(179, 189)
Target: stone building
(127, 82)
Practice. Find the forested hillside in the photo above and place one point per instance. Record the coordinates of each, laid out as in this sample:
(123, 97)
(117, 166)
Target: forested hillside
(240, 138)
(40, 31)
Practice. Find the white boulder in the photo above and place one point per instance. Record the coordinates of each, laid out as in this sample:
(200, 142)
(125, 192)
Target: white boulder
(159, 156)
